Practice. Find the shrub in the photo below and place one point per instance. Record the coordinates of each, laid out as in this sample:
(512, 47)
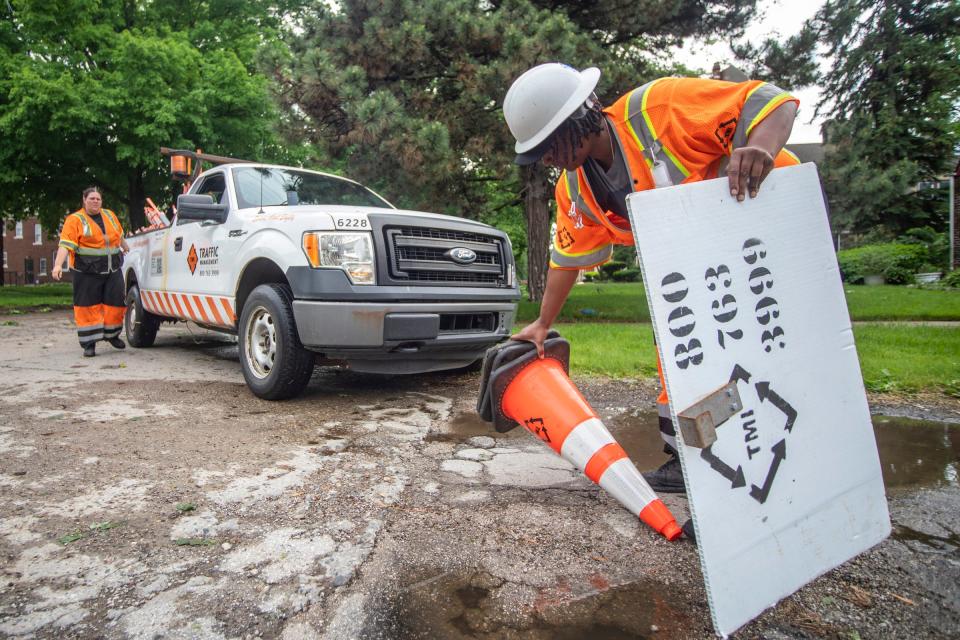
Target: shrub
(590, 276)
(895, 262)
(898, 275)
(626, 275)
(952, 279)
(937, 244)
(607, 270)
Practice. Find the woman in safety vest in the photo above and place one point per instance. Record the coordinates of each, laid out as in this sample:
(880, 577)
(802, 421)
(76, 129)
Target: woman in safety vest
(93, 239)
(666, 132)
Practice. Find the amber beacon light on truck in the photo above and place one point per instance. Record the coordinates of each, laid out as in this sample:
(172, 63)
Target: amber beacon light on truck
(351, 252)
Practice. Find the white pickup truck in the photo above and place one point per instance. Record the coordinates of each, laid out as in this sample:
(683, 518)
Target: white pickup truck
(300, 264)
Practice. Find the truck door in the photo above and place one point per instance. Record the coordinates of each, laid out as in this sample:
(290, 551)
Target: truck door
(198, 258)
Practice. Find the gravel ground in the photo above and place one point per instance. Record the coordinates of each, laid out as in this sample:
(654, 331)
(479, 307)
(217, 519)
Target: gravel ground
(147, 494)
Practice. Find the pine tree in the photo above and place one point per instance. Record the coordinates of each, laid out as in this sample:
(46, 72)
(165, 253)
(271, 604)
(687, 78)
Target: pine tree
(892, 101)
(406, 95)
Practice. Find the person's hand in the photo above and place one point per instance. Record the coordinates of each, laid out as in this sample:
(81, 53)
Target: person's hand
(747, 169)
(57, 272)
(535, 332)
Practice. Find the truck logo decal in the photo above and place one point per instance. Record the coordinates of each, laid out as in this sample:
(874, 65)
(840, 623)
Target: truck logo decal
(192, 259)
(462, 255)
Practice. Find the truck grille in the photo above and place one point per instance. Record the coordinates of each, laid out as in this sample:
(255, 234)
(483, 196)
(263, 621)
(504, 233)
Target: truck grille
(422, 255)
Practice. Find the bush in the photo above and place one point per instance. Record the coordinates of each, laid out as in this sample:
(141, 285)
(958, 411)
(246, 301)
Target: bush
(626, 275)
(607, 270)
(898, 275)
(590, 276)
(952, 279)
(937, 244)
(895, 262)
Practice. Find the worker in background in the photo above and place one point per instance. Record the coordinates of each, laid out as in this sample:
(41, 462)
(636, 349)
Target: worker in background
(668, 132)
(93, 238)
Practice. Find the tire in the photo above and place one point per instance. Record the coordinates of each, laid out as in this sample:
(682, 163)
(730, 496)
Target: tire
(275, 364)
(140, 325)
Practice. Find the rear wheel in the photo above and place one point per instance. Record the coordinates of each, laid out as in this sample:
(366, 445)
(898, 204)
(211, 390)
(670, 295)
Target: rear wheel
(140, 325)
(275, 364)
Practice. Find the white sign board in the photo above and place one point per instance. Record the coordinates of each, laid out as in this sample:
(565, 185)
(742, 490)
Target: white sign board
(750, 291)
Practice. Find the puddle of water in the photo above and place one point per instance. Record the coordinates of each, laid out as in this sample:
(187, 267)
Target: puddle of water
(458, 606)
(913, 453)
(639, 435)
(917, 452)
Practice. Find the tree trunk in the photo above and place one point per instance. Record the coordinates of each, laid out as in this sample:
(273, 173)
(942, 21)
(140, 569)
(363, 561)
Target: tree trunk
(136, 199)
(3, 271)
(536, 207)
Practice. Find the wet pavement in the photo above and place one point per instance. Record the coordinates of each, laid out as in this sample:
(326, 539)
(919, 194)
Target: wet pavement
(147, 494)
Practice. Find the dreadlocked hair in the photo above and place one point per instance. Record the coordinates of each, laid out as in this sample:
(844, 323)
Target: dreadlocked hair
(570, 135)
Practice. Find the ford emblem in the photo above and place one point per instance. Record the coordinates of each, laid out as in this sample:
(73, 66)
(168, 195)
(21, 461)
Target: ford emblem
(462, 255)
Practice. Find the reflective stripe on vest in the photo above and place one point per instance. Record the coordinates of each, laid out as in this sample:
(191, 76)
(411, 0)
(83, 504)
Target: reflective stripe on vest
(90, 251)
(87, 231)
(112, 217)
(573, 190)
(587, 259)
(759, 103)
(645, 135)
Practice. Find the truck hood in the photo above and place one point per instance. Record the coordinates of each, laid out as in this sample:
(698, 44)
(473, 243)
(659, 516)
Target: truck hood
(305, 211)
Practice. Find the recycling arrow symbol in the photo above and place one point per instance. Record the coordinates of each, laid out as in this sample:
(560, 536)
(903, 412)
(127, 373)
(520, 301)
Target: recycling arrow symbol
(779, 450)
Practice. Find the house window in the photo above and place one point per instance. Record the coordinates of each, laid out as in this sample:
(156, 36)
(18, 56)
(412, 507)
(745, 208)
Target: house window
(43, 266)
(4, 259)
(18, 231)
(37, 234)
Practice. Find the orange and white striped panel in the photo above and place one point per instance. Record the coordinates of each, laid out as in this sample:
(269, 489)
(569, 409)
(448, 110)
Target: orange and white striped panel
(203, 309)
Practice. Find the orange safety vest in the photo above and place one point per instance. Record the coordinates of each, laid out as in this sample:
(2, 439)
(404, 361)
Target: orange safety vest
(669, 131)
(81, 236)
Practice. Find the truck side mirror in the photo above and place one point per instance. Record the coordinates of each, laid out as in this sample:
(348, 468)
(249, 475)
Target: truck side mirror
(200, 207)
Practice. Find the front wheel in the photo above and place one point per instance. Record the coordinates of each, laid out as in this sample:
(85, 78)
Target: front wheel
(275, 364)
(140, 325)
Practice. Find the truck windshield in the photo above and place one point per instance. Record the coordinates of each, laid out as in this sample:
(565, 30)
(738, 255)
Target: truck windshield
(274, 187)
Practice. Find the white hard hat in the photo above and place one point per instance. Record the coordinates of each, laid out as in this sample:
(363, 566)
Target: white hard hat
(540, 100)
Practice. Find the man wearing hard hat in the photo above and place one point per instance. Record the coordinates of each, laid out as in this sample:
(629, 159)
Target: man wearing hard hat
(667, 132)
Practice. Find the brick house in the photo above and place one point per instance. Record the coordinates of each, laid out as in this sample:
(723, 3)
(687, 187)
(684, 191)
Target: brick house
(28, 252)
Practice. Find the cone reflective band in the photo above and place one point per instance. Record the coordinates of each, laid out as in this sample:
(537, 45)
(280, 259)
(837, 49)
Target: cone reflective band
(543, 399)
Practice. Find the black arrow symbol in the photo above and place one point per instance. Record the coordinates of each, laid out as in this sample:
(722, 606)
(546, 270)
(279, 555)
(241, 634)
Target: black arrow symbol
(779, 453)
(739, 373)
(764, 393)
(735, 476)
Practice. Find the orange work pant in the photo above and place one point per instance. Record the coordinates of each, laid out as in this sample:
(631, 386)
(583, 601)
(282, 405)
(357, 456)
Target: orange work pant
(98, 305)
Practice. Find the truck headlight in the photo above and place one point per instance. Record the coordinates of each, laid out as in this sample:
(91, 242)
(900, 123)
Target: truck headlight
(352, 252)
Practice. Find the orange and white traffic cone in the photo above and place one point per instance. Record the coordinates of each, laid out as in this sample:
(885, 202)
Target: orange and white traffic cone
(544, 399)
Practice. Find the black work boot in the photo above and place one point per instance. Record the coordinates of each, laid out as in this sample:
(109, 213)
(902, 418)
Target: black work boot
(668, 478)
(117, 343)
(90, 350)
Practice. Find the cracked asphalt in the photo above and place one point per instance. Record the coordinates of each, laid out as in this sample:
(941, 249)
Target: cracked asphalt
(147, 494)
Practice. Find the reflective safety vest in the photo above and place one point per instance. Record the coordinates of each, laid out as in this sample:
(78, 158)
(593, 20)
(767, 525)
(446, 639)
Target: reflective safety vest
(83, 238)
(669, 131)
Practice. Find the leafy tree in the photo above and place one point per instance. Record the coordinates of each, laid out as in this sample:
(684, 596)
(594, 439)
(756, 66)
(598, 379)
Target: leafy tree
(90, 89)
(406, 95)
(892, 99)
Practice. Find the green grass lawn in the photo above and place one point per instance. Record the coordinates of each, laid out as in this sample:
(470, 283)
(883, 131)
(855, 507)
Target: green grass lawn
(24, 298)
(888, 302)
(893, 358)
(626, 302)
